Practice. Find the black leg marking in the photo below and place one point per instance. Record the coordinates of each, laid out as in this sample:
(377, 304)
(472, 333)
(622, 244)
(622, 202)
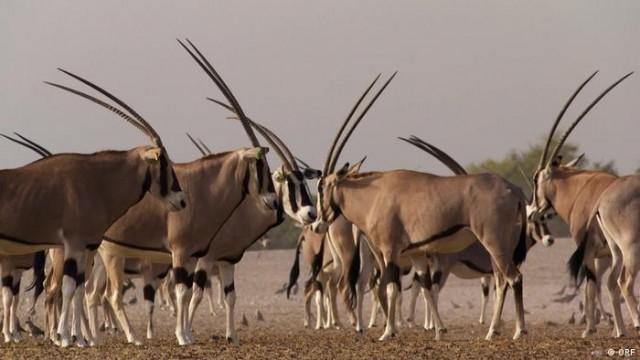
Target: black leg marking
(70, 269)
(200, 278)
(181, 275)
(16, 288)
(229, 288)
(393, 273)
(149, 293)
(485, 290)
(437, 277)
(425, 281)
(80, 279)
(7, 281)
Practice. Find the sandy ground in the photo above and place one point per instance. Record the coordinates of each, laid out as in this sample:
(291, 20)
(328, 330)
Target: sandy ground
(281, 334)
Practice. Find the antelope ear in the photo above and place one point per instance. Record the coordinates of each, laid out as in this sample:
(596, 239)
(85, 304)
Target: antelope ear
(343, 171)
(152, 154)
(311, 174)
(575, 161)
(557, 161)
(255, 153)
(278, 176)
(356, 167)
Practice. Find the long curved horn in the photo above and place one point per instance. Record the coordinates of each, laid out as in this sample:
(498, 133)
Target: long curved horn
(149, 130)
(107, 106)
(265, 133)
(27, 145)
(527, 180)
(42, 148)
(193, 141)
(566, 134)
(344, 125)
(217, 79)
(440, 155)
(543, 157)
(204, 146)
(306, 165)
(337, 153)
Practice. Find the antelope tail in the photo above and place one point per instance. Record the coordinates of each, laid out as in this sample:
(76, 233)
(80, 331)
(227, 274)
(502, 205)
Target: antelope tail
(318, 259)
(39, 260)
(576, 268)
(354, 273)
(520, 252)
(295, 270)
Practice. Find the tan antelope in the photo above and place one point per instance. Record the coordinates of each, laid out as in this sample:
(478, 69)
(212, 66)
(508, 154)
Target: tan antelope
(218, 185)
(249, 222)
(12, 267)
(474, 261)
(84, 194)
(408, 213)
(573, 194)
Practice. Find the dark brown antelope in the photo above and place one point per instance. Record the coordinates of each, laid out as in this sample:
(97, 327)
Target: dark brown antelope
(573, 194)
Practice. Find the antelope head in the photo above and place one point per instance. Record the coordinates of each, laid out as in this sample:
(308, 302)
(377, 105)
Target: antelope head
(159, 179)
(550, 167)
(327, 203)
(261, 182)
(289, 179)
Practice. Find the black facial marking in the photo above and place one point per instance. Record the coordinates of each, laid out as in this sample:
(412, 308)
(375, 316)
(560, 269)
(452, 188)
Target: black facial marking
(164, 180)
(200, 278)
(146, 184)
(291, 187)
(485, 290)
(259, 165)
(7, 281)
(182, 276)
(229, 288)
(175, 185)
(149, 293)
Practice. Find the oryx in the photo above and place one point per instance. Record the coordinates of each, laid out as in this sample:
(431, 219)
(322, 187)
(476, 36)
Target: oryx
(474, 261)
(573, 194)
(408, 213)
(69, 200)
(250, 221)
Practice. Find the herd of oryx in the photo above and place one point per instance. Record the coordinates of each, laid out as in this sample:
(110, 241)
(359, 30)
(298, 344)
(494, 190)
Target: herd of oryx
(86, 223)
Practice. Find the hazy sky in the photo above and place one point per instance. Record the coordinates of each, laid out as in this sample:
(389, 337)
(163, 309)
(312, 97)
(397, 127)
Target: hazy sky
(477, 78)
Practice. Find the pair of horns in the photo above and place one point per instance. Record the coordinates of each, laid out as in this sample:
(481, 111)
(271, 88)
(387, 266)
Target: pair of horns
(334, 154)
(28, 143)
(217, 79)
(440, 155)
(544, 160)
(200, 145)
(285, 155)
(125, 112)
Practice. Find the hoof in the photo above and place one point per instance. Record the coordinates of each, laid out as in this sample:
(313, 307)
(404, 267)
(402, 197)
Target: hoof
(587, 333)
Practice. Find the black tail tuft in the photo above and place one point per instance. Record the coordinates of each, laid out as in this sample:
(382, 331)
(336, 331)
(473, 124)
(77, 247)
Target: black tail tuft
(295, 270)
(576, 269)
(354, 273)
(316, 264)
(39, 260)
(520, 253)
